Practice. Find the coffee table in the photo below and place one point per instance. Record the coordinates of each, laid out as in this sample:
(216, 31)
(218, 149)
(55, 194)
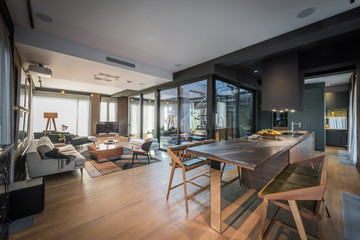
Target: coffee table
(101, 152)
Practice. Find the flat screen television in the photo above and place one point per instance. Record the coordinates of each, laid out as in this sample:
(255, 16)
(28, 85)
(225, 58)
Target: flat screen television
(107, 127)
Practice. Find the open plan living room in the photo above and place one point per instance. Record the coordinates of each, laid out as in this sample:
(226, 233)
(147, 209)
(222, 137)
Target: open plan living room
(155, 119)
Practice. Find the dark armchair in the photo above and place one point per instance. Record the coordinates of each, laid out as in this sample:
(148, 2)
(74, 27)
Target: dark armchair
(143, 150)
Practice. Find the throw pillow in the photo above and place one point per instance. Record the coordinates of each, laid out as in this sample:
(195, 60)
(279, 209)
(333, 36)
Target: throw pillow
(57, 155)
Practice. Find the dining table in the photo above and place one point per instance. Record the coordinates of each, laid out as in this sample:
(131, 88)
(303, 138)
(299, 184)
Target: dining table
(259, 161)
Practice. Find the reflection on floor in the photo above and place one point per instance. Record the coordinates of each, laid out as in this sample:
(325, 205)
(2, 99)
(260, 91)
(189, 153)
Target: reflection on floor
(132, 205)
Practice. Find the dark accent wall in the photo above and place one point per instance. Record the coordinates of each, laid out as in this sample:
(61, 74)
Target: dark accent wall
(95, 112)
(312, 117)
(122, 113)
(264, 118)
(282, 86)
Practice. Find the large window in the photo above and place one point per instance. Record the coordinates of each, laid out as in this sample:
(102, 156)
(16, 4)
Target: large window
(5, 85)
(193, 100)
(73, 111)
(134, 117)
(108, 109)
(149, 115)
(225, 111)
(245, 112)
(168, 118)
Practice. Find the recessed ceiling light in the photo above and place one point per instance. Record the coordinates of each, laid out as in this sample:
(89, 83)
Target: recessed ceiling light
(305, 13)
(256, 71)
(44, 17)
(177, 65)
(62, 92)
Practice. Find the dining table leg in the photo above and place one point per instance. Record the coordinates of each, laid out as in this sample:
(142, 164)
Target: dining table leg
(215, 196)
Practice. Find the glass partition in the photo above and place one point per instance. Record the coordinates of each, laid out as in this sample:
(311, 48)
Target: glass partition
(193, 100)
(149, 115)
(134, 115)
(225, 127)
(168, 117)
(245, 112)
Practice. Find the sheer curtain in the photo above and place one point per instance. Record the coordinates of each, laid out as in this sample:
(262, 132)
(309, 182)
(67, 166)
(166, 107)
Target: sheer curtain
(108, 109)
(352, 144)
(5, 88)
(73, 111)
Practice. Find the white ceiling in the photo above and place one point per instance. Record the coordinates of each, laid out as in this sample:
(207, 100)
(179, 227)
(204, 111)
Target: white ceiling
(333, 80)
(162, 33)
(72, 73)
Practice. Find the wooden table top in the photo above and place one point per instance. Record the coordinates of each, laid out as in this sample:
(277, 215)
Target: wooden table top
(245, 153)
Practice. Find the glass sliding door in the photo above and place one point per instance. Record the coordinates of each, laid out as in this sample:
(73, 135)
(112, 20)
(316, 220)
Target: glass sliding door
(193, 100)
(225, 127)
(148, 115)
(168, 118)
(245, 112)
(134, 117)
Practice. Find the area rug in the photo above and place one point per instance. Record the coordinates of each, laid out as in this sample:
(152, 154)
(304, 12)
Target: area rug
(96, 169)
(344, 158)
(351, 208)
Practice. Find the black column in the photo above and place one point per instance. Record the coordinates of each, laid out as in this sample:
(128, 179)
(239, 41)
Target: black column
(211, 107)
(141, 114)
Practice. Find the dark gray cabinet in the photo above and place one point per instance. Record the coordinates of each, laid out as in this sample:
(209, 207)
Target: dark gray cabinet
(336, 138)
(342, 99)
(330, 100)
(337, 100)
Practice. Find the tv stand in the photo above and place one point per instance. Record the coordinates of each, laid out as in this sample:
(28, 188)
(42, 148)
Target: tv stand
(107, 135)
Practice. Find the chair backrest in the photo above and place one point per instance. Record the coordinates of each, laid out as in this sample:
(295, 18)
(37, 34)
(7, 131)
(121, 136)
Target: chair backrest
(146, 146)
(179, 151)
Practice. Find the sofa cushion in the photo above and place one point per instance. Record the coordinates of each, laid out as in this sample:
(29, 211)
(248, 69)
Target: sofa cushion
(44, 146)
(71, 151)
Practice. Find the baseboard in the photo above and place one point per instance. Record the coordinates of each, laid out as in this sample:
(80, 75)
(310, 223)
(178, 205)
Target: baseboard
(21, 224)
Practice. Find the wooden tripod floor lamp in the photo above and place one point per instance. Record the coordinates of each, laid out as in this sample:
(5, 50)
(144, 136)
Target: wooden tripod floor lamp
(50, 116)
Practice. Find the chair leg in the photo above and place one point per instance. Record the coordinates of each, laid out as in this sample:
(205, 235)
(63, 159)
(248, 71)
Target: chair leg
(185, 190)
(263, 219)
(326, 208)
(240, 175)
(171, 179)
(297, 217)
(222, 170)
(81, 170)
(133, 159)
(148, 158)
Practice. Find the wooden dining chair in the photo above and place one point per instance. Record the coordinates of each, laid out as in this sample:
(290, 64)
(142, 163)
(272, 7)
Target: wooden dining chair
(180, 158)
(143, 150)
(299, 188)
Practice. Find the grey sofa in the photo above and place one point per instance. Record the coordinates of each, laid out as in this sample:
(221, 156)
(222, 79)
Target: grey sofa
(40, 165)
(70, 138)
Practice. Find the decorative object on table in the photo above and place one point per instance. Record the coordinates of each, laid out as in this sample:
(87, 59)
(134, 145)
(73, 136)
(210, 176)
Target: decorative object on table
(254, 137)
(111, 141)
(143, 150)
(50, 116)
(269, 133)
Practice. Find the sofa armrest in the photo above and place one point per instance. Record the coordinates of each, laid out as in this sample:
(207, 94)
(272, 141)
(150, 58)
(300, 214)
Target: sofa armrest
(59, 144)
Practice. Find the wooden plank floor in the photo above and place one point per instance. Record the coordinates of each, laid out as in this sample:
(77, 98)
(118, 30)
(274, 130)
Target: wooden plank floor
(132, 204)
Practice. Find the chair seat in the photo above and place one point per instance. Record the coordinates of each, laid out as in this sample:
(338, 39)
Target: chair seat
(139, 150)
(193, 161)
(302, 170)
(295, 177)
